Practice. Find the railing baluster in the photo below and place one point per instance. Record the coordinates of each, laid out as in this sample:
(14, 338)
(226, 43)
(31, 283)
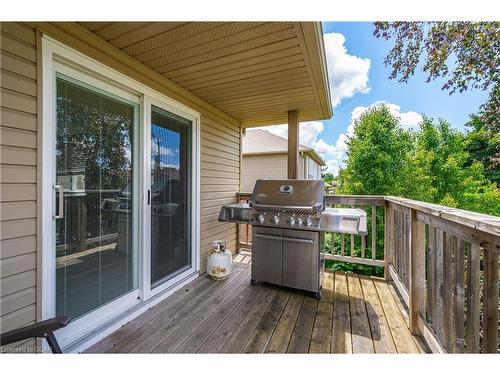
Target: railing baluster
(342, 249)
(490, 343)
(374, 232)
(431, 277)
(473, 300)
(438, 326)
(459, 295)
(388, 238)
(352, 245)
(417, 272)
(448, 298)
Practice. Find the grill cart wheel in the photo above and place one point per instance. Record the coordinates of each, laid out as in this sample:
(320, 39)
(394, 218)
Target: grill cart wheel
(253, 282)
(317, 295)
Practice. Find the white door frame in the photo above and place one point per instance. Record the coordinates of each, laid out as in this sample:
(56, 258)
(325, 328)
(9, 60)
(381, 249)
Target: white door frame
(148, 102)
(59, 57)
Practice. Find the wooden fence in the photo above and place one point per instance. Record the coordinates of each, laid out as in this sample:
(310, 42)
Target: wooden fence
(443, 261)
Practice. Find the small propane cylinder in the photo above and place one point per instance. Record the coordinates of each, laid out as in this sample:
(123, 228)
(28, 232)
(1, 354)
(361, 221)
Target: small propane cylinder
(219, 261)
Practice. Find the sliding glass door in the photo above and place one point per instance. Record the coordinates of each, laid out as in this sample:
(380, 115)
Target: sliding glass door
(170, 196)
(96, 259)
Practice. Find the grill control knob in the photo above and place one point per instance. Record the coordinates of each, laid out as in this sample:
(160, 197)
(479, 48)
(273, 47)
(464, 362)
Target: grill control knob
(299, 221)
(291, 220)
(276, 219)
(260, 218)
(309, 221)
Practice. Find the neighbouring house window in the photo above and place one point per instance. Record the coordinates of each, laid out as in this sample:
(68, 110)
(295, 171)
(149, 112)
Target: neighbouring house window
(312, 169)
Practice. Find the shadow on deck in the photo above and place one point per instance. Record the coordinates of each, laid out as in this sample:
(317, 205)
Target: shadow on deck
(357, 314)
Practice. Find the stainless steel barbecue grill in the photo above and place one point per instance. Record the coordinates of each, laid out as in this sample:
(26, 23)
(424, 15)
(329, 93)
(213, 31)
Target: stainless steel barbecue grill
(288, 221)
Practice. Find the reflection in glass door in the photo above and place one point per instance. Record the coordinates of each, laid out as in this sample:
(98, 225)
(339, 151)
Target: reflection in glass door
(169, 195)
(96, 260)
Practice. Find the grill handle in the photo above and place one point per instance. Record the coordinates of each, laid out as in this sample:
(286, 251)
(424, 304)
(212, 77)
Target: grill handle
(298, 240)
(288, 239)
(269, 237)
(316, 207)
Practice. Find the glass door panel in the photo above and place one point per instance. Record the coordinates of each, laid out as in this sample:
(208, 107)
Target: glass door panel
(170, 195)
(96, 260)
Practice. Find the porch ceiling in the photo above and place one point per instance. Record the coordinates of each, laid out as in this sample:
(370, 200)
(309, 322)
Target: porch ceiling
(254, 71)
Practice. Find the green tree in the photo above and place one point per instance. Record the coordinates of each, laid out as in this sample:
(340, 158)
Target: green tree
(431, 165)
(376, 154)
(483, 145)
(475, 47)
(328, 177)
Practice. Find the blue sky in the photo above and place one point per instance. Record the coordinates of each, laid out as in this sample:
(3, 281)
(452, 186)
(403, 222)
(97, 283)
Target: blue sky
(358, 79)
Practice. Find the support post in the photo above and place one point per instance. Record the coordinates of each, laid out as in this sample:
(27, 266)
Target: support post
(388, 234)
(417, 273)
(293, 144)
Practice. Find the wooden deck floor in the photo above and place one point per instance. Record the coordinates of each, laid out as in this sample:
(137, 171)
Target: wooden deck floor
(356, 315)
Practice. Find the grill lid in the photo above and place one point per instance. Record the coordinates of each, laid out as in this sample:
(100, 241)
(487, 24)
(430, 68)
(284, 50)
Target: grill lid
(294, 194)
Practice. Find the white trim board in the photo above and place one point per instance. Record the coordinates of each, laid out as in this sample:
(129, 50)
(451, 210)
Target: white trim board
(58, 57)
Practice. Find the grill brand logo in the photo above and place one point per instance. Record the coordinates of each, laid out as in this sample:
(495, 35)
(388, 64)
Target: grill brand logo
(286, 189)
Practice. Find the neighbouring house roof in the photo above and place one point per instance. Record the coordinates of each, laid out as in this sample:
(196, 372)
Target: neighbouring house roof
(260, 141)
(254, 72)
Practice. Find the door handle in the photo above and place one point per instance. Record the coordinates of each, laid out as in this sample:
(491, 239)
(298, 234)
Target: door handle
(60, 211)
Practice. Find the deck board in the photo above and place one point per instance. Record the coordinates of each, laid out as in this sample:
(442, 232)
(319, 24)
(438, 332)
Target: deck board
(402, 337)
(196, 318)
(362, 341)
(322, 331)
(356, 314)
(301, 336)
(341, 335)
(282, 334)
(381, 334)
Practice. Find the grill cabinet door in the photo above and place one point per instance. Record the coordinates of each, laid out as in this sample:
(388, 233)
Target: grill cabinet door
(266, 255)
(301, 260)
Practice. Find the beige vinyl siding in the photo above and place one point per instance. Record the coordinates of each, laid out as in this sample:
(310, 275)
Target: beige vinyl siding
(18, 176)
(270, 166)
(220, 170)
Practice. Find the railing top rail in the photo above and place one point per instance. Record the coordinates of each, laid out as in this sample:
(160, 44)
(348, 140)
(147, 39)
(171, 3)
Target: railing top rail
(243, 194)
(485, 223)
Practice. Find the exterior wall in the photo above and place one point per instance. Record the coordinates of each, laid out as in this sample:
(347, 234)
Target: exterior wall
(18, 176)
(272, 166)
(220, 170)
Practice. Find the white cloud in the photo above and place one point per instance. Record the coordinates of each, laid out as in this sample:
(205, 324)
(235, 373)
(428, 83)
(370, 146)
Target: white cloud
(407, 120)
(348, 74)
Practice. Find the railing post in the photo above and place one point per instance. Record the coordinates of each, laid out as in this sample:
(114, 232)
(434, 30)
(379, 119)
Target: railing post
(388, 230)
(417, 272)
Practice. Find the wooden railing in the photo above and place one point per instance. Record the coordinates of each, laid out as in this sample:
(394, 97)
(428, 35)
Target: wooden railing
(443, 261)
(243, 231)
(358, 249)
